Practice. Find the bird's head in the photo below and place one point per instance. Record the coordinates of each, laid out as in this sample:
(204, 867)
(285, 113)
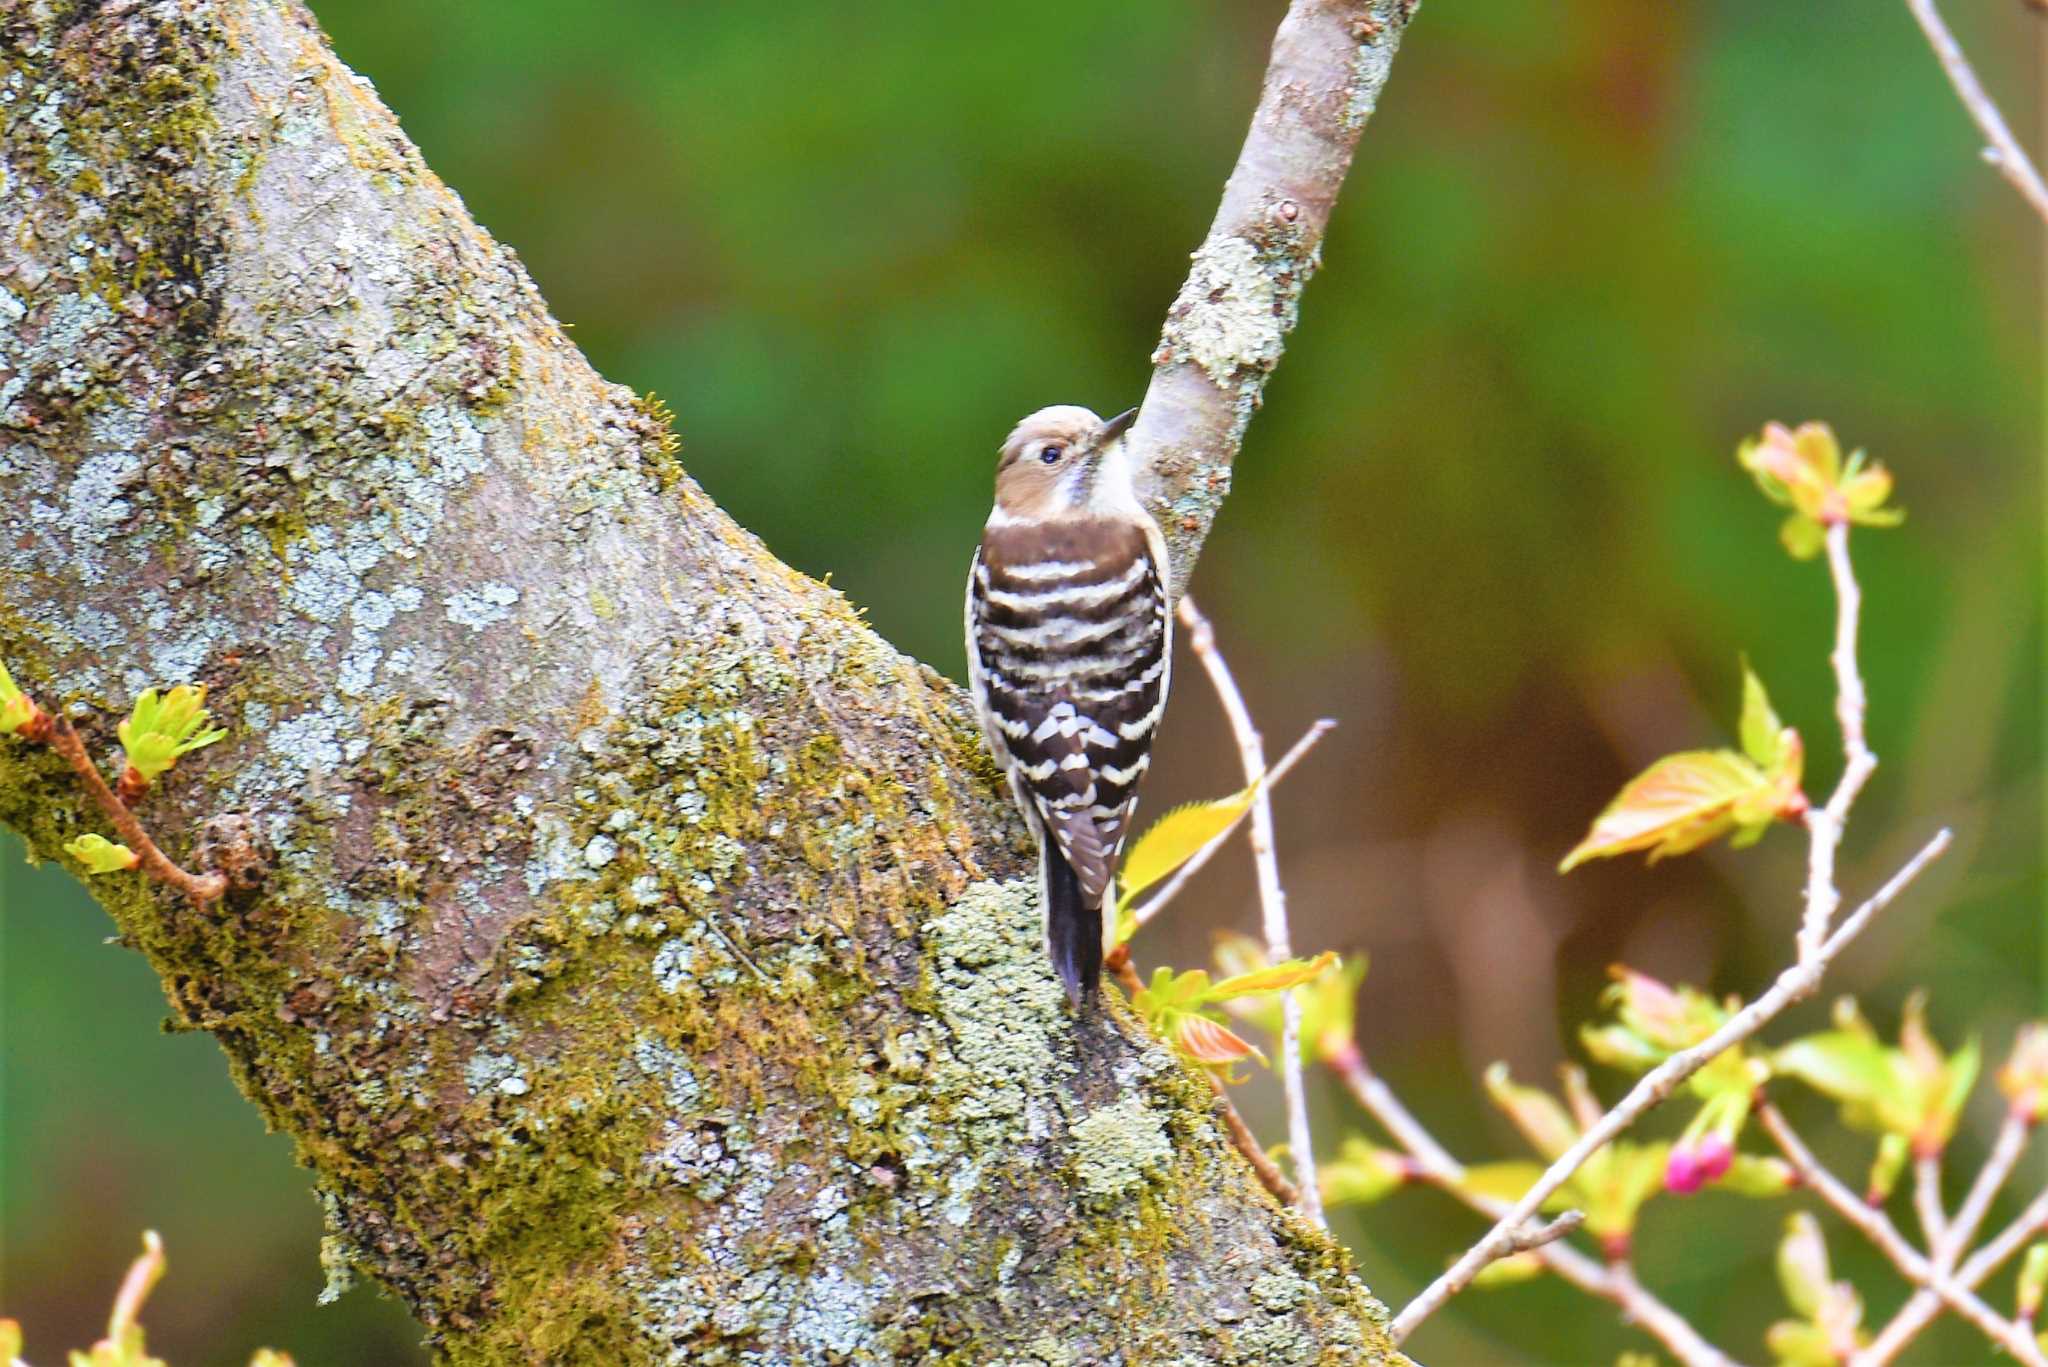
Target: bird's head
(1064, 462)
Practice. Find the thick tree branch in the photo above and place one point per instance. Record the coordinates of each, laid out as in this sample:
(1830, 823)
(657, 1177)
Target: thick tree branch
(651, 968)
(1226, 330)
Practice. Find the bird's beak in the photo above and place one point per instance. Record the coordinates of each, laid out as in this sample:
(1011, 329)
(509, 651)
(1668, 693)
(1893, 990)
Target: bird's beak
(1114, 428)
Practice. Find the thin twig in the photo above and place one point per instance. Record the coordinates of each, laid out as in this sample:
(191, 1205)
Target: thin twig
(1248, 1144)
(2031, 1222)
(1824, 825)
(205, 887)
(1157, 902)
(1615, 1282)
(1919, 1311)
(2003, 150)
(1927, 1199)
(1532, 1237)
(1935, 1283)
(1251, 751)
(1794, 984)
(1998, 1165)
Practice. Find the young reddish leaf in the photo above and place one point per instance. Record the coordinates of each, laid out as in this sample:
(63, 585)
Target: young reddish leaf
(1799, 468)
(1211, 1045)
(1277, 978)
(1176, 838)
(1676, 805)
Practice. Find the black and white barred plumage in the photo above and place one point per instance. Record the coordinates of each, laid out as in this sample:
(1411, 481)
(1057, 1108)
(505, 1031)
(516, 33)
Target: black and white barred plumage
(1069, 639)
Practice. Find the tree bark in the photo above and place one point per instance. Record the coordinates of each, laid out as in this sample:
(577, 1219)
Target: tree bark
(649, 969)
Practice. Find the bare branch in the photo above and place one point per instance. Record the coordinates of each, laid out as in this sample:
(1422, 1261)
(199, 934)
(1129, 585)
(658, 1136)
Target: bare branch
(2003, 150)
(1251, 750)
(1255, 1153)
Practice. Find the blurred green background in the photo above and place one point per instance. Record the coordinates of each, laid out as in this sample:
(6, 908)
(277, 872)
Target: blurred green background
(1489, 519)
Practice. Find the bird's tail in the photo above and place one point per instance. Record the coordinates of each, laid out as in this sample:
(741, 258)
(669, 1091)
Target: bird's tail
(1073, 928)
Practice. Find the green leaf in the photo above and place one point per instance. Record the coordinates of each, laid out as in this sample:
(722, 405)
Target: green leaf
(1803, 1270)
(2033, 1280)
(1277, 978)
(1537, 1114)
(1762, 738)
(16, 711)
(1508, 1181)
(1675, 806)
(1796, 1344)
(1176, 838)
(1360, 1173)
(1509, 1271)
(1802, 537)
(158, 730)
(1845, 1065)
(101, 855)
(1757, 1175)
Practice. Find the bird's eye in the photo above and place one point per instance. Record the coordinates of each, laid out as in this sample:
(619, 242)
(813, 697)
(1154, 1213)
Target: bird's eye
(1051, 454)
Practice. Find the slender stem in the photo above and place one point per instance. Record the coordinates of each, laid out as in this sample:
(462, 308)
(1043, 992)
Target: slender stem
(1998, 1166)
(1824, 825)
(1251, 750)
(1248, 1144)
(1614, 1282)
(2003, 150)
(1157, 903)
(1654, 1086)
(1936, 1283)
(2031, 1222)
(1927, 1199)
(199, 887)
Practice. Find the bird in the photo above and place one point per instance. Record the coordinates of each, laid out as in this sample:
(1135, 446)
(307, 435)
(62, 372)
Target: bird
(1069, 659)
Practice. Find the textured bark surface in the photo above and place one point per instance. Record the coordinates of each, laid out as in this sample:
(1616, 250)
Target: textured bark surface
(650, 971)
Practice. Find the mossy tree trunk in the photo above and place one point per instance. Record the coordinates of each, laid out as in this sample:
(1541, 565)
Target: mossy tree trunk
(650, 968)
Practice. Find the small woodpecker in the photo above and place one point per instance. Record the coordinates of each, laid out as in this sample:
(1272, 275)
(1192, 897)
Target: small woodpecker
(1069, 646)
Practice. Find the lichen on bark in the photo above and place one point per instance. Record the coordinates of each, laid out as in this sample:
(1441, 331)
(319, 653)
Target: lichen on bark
(650, 971)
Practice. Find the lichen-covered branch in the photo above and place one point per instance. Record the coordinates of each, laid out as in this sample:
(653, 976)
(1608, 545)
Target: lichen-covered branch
(650, 966)
(1226, 329)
